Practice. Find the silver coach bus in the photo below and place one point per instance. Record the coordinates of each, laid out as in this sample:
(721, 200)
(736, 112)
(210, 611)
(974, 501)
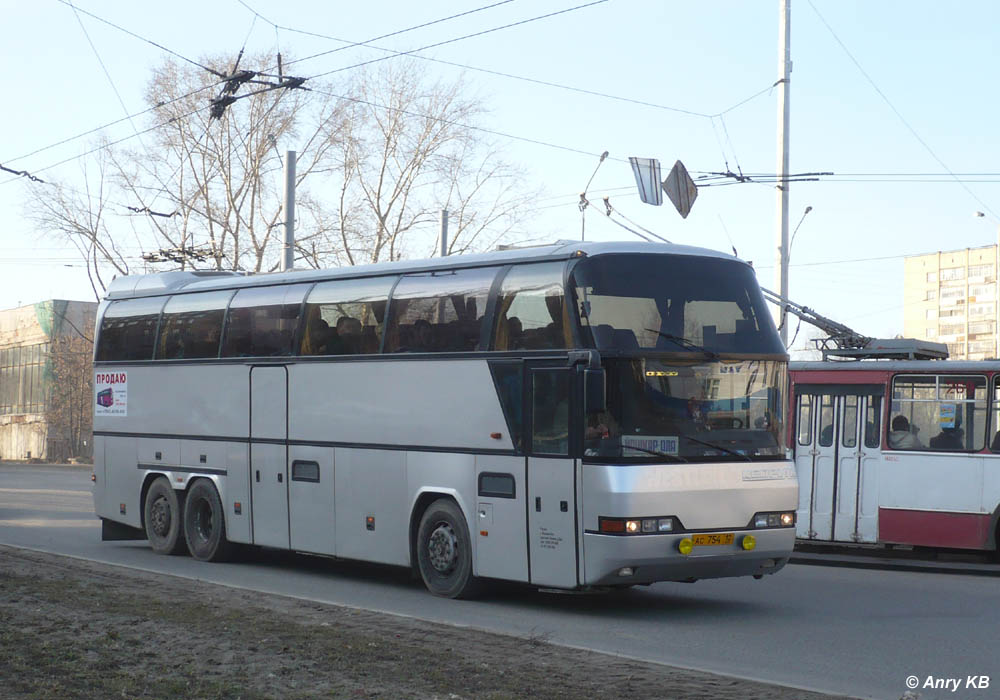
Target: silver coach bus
(570, 416)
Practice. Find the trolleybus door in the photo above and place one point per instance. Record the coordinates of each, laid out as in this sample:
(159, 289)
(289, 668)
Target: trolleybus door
(268, 455)
(836, 458)
(551, 393)
(857, 468)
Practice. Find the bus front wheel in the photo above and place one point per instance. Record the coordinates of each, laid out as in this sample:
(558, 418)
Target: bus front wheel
(205, 523)
(444, 551)
(162, 517)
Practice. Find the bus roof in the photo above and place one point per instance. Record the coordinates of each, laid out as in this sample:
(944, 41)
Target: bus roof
(201, 280)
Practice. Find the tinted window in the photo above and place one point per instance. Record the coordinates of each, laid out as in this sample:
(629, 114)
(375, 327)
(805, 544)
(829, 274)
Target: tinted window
(945, 413)
(531, 309)
(262, 321)
(346, 317)
(439, 312)
(550, 411)
(508, 380)
(672, 303)
(128, 330)
(192, 326)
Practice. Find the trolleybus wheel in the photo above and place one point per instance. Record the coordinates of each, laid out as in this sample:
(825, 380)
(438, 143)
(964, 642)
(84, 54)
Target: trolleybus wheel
(205, 523)
(162, 517)
(444, 551)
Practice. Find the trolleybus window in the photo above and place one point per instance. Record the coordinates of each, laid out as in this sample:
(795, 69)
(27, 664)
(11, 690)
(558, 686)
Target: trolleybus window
(669, 304)
(995, 420)
(439, 312)
(850, 421)
(531, 313)
(804, 419)
(826, 420)
(945, 413)
(128, 330)
(262, 321)
(873, 416)
(192, 326)
(346, 317)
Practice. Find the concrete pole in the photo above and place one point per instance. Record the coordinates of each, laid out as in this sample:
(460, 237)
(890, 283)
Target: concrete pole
(288, 254)
(785, 69)
(444, 233)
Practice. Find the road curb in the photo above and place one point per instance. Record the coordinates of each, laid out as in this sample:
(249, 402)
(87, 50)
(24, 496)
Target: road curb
(887, 563)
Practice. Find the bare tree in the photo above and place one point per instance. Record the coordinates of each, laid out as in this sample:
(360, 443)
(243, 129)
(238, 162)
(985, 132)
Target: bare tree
(69, 413)
(377, 160)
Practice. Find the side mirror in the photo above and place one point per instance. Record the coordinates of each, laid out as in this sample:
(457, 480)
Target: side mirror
(594, 392)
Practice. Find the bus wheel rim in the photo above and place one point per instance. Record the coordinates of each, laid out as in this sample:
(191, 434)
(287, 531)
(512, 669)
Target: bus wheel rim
(442, 547)
(160, 515)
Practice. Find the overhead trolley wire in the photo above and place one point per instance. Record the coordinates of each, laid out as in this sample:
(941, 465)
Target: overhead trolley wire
(897, 112)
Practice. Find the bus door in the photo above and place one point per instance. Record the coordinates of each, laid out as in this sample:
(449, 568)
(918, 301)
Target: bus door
(551, 393)
(268, 455)
(836, 462)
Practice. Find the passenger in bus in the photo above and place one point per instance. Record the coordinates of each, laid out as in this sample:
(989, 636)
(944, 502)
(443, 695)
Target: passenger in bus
(948, 439)
(901, 438)
(348, 336)
(515, 334)
(423, 336)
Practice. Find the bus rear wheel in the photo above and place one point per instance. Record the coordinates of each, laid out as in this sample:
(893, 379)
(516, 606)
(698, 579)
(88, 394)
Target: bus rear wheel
(205, 523)
(444, 551)
(161, 514)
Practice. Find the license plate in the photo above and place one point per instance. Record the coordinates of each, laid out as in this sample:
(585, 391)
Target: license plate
(711, 539)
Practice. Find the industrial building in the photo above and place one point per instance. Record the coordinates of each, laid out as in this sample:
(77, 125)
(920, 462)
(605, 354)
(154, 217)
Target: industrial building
(46, 381)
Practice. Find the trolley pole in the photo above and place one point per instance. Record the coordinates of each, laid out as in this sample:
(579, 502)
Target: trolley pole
(785, 69)
(288, 253)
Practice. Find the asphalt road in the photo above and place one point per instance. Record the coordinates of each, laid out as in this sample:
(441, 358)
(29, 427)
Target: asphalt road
(857, 632)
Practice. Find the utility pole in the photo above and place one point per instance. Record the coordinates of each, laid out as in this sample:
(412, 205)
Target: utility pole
(444, 233)
(785, 69)
(288, 253)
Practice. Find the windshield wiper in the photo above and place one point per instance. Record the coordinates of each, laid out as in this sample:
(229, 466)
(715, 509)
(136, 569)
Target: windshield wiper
(653, 452)
(716, 447)
(685, 343)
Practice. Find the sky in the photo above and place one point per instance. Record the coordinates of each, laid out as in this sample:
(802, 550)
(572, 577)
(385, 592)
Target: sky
(897, 98)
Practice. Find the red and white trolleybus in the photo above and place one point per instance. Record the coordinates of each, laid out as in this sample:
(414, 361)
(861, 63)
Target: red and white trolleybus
(898, 452)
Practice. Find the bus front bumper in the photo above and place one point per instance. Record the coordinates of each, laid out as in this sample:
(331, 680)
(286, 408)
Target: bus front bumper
(636, 559)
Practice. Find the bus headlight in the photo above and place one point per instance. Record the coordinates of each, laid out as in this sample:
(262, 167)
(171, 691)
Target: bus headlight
(632, 526)
(657, 525)
(773, 519)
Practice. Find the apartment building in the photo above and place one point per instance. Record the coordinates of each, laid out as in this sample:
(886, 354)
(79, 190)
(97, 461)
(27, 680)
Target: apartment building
(951, 297)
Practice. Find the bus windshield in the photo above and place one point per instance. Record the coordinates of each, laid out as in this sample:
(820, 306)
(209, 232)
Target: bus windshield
(672, 303)
(677, 411)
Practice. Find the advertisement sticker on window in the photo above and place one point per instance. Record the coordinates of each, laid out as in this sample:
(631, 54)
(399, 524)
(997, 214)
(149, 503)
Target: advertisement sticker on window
(947, 415)
(111, 392)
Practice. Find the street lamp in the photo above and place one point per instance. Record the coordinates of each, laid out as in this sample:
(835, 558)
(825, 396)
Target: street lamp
(788, 256)
(808, 209)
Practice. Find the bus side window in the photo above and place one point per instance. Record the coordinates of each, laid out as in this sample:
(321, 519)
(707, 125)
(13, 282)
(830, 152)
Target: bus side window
(804, 419)
(262, 321)
(995, 416)
(439, 312)
(531, 310)
(192, 326)
(128, 330)
(345, 317)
